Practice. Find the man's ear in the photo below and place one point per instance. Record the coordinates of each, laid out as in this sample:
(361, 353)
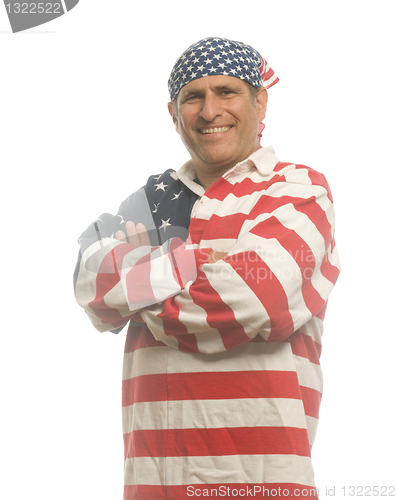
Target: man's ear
(171, 108)
(262, 103)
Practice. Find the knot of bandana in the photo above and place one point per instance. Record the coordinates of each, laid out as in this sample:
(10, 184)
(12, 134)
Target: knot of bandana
(220, 56)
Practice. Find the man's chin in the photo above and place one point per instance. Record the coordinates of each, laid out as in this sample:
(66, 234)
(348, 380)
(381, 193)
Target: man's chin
(219, 156)
(220, 163)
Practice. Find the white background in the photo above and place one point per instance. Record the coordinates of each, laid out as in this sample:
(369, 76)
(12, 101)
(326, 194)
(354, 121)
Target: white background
(83, 123)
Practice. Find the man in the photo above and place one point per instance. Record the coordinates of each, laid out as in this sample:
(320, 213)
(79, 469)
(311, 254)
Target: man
(223, 270)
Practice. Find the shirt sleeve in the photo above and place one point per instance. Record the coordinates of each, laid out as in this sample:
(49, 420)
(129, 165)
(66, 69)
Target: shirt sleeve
(114, 279)
(276, 277)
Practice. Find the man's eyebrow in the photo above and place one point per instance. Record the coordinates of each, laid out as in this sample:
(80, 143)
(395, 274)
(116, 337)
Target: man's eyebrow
(190, 92)
(218, 88)
(228, 86)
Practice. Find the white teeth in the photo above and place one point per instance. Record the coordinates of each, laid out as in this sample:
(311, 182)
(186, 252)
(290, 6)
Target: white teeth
(214, 130)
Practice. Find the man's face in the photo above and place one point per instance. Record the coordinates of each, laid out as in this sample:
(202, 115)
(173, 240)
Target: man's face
(218, 121)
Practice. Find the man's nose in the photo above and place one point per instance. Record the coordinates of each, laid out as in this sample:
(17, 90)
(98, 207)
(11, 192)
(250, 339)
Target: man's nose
(211, 108)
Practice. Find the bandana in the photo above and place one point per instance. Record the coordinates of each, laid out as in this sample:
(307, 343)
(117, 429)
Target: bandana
(220, 56)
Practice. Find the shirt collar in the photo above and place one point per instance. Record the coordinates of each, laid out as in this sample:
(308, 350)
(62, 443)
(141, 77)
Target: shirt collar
(264, 160)
(187, 174)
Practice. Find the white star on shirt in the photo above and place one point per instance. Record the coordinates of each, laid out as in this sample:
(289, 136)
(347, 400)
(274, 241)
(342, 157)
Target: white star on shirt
(165, 224)
(156, 206)
(176, 196)
(161, 186)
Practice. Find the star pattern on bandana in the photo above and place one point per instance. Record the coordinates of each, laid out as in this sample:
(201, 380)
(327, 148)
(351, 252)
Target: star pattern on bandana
(219, 56)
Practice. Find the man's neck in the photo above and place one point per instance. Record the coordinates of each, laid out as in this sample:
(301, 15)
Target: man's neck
(208, 178)
(209, 173)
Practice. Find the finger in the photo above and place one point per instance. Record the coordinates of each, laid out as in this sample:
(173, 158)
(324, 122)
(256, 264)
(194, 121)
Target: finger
(120, 236)
(143, 235)
(133, 238)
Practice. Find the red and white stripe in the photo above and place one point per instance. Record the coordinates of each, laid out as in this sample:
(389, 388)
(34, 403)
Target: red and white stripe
(222, 381)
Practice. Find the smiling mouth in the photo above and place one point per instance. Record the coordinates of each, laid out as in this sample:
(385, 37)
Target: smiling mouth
(216, 130)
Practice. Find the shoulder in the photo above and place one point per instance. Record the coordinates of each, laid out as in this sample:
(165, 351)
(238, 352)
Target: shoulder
(161, 186)
(285, 184)
(155, 185)
(298, 178)
(284, 175)
(160, 182)
(300, 174)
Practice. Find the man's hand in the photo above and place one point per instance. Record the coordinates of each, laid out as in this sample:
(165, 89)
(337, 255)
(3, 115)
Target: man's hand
(136, 235)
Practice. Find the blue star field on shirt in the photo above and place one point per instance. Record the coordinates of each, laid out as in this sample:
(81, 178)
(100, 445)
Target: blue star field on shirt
(164, 206)
(220, 56)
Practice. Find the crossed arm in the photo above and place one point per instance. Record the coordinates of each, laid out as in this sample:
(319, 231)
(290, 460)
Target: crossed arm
(274, 279)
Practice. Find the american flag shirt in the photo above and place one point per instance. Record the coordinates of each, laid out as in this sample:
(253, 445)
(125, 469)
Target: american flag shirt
(221, 380)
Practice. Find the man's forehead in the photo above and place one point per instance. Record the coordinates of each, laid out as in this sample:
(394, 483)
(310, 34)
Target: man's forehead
(215, 82)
